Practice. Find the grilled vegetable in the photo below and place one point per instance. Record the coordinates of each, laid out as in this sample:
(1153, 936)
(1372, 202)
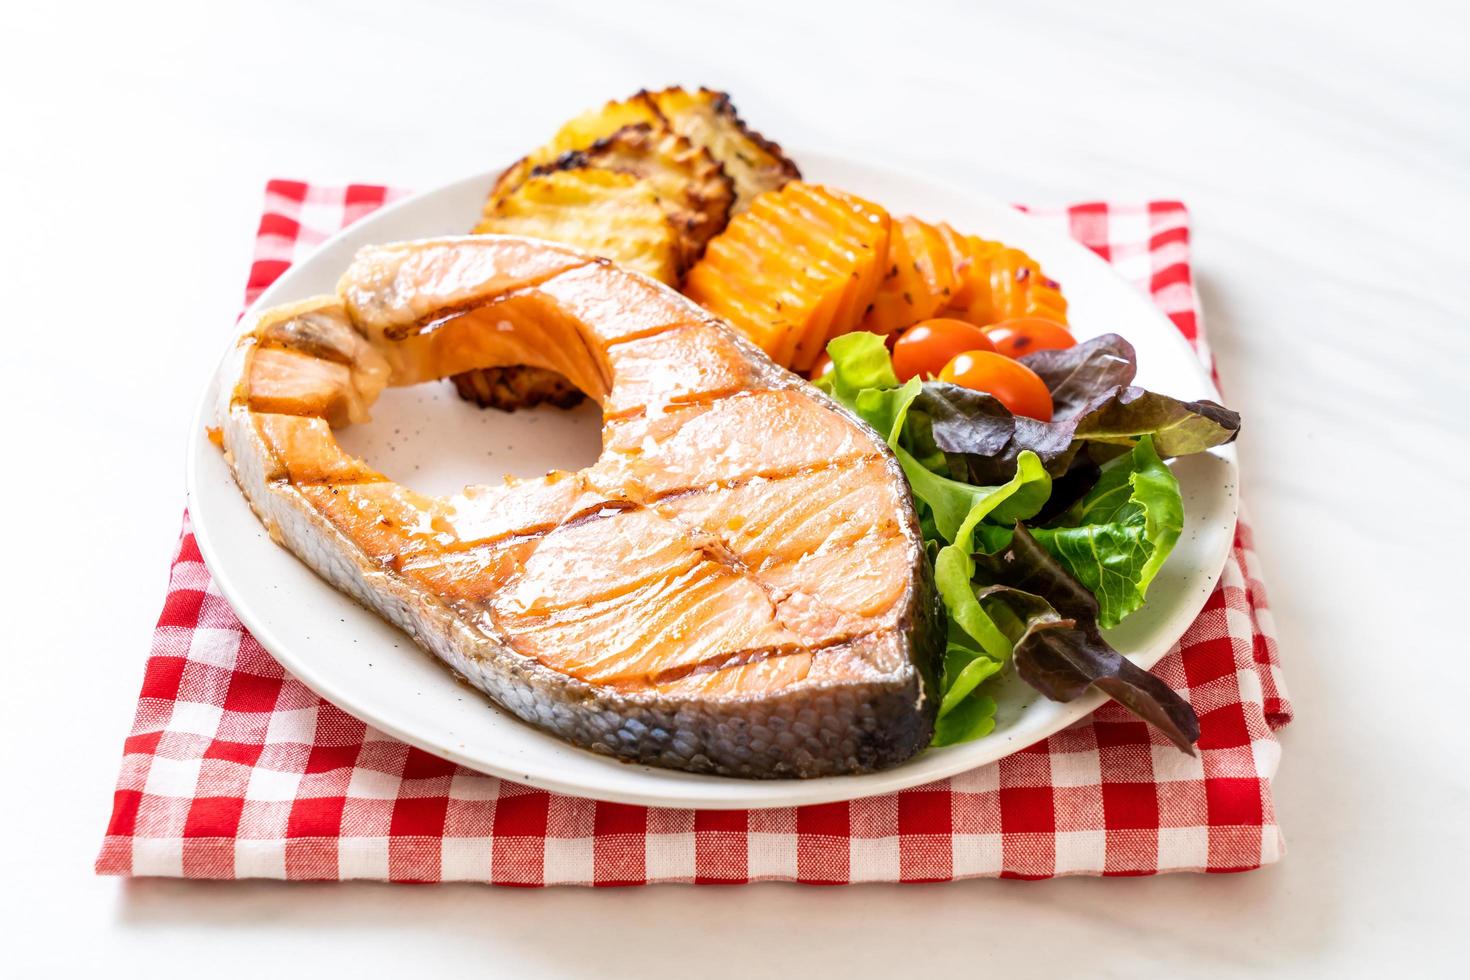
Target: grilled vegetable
(704, 117)
(919, 281)
(1000, 283)
(614, 215)
(796, 269)
(708, 119)
(577, 134)
(693, 188)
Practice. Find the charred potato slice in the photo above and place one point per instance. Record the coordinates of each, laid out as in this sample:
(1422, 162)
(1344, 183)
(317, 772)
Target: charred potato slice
(708, 119)
(577, 134)
(614, 215)
(691, 153)
(519, 386)
(691, 185)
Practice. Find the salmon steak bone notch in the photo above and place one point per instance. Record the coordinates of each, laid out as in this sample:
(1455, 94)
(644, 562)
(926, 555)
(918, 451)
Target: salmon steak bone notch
(736, 586)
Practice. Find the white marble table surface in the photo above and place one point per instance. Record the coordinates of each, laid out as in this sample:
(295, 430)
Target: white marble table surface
(1325, 150)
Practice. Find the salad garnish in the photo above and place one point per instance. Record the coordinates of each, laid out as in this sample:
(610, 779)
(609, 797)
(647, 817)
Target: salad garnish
(1042, 534)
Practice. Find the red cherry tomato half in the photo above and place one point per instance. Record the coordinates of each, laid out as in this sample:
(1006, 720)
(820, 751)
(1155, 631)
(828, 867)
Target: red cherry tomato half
(925, 348)
(1016, 386)
(821, 368)
(1015, 338)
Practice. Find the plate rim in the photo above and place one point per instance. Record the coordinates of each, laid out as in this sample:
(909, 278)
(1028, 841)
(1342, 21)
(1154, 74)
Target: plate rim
(795, 792)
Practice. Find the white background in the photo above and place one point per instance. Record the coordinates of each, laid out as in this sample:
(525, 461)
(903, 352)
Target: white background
(1325, 151)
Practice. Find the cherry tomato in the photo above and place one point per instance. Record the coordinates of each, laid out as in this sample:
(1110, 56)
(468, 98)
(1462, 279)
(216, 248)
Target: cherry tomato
(1020, 336)
(926, 347)
(820, 369)
(1016, 386)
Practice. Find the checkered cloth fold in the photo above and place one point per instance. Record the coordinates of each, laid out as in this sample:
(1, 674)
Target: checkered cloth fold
(234, 769)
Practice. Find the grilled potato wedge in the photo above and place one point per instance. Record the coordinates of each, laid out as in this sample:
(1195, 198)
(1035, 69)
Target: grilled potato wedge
(577, 134)
(704, 117)
(615, 215)
(707, 118)
(691, 186)
(595, 185)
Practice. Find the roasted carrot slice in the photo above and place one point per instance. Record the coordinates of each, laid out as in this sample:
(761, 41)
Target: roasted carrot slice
(958, 250)
(1001, 283)
(799, 266)
(918, 282)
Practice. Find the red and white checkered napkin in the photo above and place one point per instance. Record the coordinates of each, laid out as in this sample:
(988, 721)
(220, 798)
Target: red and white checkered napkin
(234, 769)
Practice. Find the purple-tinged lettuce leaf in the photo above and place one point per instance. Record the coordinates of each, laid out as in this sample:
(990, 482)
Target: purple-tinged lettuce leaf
(1077, 375)
(1070, 487)
(1051, 619)
(1094, 407)
(1126, 415)
(971, 422)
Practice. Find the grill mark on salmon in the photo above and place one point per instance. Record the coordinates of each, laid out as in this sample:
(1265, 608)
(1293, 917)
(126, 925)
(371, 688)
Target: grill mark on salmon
(675, 401)
(598, 512)
(742, 559)
(776, 473)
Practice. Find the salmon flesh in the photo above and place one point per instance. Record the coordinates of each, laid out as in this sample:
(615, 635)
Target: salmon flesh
(736, 586)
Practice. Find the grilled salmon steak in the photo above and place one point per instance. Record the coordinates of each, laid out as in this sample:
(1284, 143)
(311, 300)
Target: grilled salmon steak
(736, 586)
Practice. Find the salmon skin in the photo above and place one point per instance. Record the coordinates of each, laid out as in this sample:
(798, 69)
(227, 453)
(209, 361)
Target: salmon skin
(736, 586)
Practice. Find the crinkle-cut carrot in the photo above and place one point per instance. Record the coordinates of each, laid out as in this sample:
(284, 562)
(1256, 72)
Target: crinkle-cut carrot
(918, 281)
(1001, 283)
(798, 267)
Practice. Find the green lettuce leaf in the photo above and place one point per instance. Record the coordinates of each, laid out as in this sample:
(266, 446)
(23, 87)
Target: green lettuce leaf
(1115, 539)
(859, 360)
(977, 647)
(973, 718)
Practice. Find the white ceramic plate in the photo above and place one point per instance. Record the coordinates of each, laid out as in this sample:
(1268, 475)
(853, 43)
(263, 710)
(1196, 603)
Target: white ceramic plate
(429, 439)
